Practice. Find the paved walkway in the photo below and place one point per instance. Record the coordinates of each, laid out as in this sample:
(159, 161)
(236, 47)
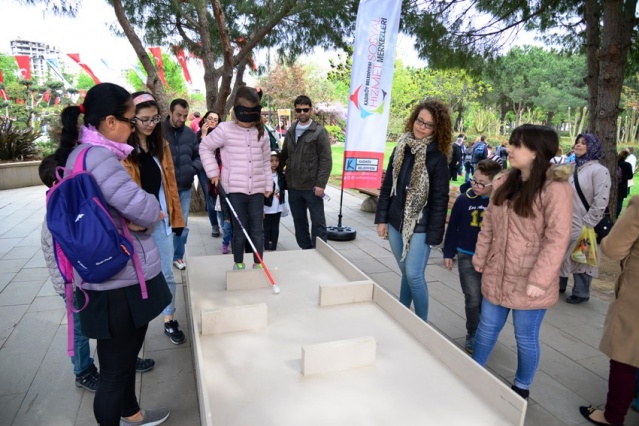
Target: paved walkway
(36, 377)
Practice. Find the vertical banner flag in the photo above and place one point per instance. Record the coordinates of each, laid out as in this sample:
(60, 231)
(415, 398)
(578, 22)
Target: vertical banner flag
(179, 53)
(3, 94)
(85, 67)
(371, 82)
(157, 55)
(24, 64)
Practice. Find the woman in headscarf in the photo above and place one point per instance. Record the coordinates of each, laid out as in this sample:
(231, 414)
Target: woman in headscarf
(413, 200)
(594, 181)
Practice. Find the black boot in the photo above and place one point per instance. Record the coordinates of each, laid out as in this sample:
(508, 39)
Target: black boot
(563, 283)
(521, 392)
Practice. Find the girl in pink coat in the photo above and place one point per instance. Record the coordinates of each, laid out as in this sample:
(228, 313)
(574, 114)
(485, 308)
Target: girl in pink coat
(246, 176)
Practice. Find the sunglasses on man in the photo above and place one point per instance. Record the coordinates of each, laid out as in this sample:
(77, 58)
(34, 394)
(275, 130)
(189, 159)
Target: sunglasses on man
(300, 110)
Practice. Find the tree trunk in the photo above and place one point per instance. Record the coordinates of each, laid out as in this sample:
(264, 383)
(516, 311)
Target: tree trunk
(592, 12)
(153, 81)
(549, 117)
(616, 35)
(211, 77)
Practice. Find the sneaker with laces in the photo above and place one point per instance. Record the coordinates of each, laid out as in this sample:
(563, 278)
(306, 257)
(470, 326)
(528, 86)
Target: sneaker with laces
(88, 379)
(172, 329)
(150, 417)
(179, 264)
(239, 267)
(257, 266)
(144, 365)
(225, 249)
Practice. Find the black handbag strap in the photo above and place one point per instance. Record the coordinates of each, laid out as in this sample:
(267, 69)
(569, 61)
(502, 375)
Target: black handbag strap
(581, 194)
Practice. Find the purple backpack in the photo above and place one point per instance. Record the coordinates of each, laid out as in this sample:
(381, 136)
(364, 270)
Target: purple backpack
(85, 237)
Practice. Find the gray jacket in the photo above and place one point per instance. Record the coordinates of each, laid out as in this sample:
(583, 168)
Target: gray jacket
(124, 197)
(594, 181)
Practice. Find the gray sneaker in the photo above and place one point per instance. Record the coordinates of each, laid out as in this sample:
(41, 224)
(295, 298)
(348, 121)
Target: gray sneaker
(151, 417)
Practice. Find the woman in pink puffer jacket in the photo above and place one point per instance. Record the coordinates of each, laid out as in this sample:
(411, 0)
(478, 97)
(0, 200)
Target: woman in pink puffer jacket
(246, 176)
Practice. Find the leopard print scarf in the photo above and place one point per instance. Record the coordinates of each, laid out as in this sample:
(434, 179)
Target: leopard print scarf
(417, 191)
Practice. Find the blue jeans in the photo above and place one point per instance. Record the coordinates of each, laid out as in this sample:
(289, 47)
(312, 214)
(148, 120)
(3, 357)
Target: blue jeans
(179, 243)
(227, 229)
(81, 358)
(299, 201)
(471, 287)
(165, 247)
(413, 286)
(210, 201)
(527, 324)
(249, 209)
(470, 169)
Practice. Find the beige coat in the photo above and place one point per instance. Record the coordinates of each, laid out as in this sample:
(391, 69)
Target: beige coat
(515, 251)
(620, 339)
(594, 181)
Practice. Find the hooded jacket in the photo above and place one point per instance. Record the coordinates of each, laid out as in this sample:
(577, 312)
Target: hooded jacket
(515, 252)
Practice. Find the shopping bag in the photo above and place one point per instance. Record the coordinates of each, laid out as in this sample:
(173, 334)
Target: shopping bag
(585, 250)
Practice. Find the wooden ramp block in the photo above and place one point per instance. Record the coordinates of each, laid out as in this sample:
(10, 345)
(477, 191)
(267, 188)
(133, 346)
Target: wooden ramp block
(339, 294)
(250, 279)
(338, 355)
(237, 318)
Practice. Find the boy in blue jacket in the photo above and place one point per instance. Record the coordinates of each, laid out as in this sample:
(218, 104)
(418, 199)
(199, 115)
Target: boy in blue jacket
(461, 237)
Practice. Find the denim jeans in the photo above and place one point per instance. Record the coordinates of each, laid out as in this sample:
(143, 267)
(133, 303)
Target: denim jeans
(165, 247)
(210, 201)
(470, 169)
(471, 287)
(527, 324)
(227, 229)
(299, 201)
(413, 285)
(249, 209)
(81, 358)
(581, 287)
(179, 243)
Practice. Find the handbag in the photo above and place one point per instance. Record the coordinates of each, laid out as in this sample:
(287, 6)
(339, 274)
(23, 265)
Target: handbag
(605, 224)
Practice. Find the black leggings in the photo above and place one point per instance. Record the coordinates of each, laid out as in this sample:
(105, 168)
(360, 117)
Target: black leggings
(115, 396)
(271, 230)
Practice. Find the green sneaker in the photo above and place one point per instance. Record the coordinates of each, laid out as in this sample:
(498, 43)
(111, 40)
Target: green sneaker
(239, 267)
(257, 266)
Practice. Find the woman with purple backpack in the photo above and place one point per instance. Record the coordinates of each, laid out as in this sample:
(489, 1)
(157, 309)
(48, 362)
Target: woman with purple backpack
(116, 313)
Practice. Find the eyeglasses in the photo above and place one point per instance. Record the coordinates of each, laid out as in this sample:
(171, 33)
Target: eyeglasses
(479, 184)
(422, 123)
(146, 121)
(304, 110)
(131, 121)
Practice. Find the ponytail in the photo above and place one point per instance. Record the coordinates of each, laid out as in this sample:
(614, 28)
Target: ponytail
(69, 135)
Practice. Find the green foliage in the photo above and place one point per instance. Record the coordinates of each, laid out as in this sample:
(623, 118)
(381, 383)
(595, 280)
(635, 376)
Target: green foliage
(176, 86)
(85, 81)
(9, 69)
(335, 133)
(17, 143)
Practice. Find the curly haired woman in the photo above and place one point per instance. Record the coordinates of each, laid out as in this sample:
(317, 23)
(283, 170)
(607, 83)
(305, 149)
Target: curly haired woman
(413, 200)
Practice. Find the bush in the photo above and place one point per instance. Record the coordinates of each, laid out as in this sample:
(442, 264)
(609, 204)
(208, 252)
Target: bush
(335, 134)
(17, 143)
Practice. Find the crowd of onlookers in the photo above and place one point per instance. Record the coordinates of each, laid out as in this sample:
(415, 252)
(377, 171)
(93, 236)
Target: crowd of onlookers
(523, 211)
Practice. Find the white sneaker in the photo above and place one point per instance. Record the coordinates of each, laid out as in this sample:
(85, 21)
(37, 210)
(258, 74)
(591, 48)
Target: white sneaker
(179, 264)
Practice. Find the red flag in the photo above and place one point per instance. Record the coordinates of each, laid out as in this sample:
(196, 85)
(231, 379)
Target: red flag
(85, 67)
(47, 96)
(24, 64)
(57, 101)
(157, 55)
(2, 92)
(179, 53)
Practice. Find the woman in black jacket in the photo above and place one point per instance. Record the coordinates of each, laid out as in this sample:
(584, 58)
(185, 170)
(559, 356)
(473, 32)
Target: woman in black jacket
(413, 201)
